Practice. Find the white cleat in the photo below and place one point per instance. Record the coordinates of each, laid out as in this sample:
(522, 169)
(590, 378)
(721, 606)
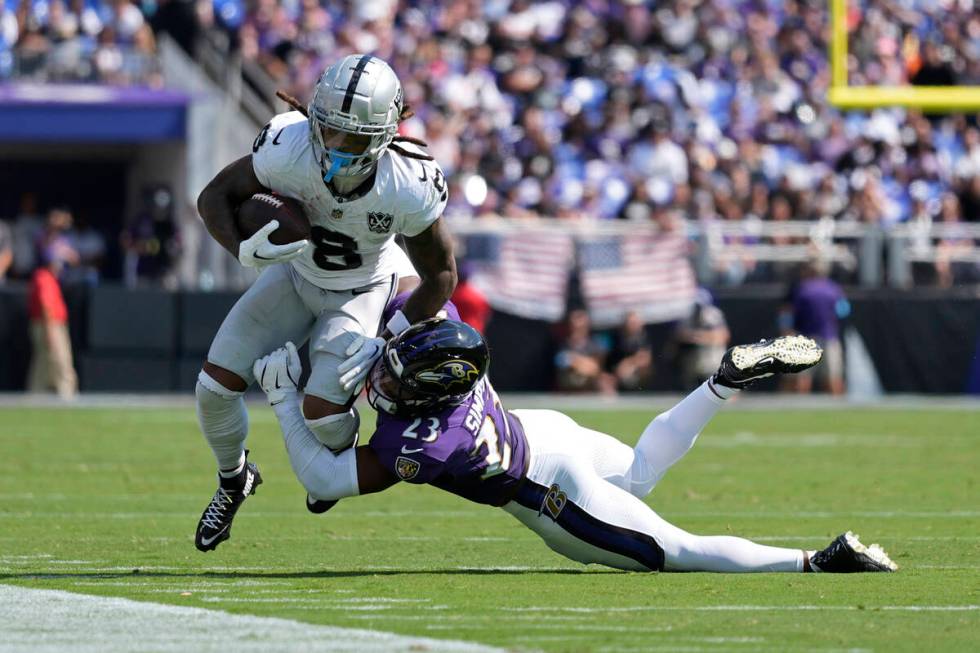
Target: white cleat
(744, 364)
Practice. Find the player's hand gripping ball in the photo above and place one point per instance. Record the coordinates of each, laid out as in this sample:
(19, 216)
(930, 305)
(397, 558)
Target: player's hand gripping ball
(274, 228)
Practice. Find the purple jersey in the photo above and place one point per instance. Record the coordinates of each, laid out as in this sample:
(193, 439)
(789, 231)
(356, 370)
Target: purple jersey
(476, 449)
(398, 303)
(815, 308)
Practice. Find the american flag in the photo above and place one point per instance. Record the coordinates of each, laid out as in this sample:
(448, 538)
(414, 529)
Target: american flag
(524, 273)
(645, 272)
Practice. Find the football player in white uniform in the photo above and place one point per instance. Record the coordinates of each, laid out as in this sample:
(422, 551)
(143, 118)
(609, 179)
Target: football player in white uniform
(360, 184)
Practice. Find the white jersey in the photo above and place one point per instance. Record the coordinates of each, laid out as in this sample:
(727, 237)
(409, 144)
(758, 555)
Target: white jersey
(352, 239)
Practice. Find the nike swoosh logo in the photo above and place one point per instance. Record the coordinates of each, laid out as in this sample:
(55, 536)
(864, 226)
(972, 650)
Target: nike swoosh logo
(407, 450)
(360, 291)
(208, 540)
(263, 258)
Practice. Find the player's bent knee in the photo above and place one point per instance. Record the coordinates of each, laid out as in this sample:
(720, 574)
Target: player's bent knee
(226, 379)
(209, 388)
(316, 407)
(336, 429)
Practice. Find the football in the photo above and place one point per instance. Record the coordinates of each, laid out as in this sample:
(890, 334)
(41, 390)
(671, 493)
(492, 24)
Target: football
(261, 208)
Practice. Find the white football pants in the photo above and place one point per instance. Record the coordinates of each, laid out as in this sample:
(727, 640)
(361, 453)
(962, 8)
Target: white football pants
(584, 488)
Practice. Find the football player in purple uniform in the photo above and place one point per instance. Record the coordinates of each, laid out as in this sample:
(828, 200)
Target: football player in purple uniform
(441, 422)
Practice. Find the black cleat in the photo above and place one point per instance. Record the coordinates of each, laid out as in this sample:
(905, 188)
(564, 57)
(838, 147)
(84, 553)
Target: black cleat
(846, 555)
(744, 364)
(215, 525)
(318, 506)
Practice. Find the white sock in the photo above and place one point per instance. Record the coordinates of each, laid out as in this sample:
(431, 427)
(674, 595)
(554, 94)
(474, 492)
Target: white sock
(232, 473)
(731, 554)
(224, 422)
(671, 435)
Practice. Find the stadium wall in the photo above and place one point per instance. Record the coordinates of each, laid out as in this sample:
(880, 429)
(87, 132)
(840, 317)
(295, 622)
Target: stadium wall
(154, 340)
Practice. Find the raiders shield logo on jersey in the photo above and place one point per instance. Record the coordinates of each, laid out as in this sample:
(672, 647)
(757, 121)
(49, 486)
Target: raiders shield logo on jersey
(336, 214)
(380, 223)
(406, 468)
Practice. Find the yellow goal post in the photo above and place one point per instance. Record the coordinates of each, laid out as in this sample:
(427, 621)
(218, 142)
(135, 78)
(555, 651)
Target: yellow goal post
(934, 99)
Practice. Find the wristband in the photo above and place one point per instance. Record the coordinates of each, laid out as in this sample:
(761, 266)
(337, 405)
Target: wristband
(398, 323)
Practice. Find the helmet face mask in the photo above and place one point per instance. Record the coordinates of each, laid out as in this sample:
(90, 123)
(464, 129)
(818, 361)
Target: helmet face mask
(359, 97)
(386, 393)
(432, 365)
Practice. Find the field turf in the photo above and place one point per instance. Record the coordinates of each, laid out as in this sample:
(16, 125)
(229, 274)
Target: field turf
(105, 501)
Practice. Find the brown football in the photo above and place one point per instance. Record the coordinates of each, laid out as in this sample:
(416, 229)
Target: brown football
(261, 208)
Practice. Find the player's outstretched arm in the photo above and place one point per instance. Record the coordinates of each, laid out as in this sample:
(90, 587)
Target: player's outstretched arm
(372, 476)
(325, 475)
(431, 252)
(222, 196)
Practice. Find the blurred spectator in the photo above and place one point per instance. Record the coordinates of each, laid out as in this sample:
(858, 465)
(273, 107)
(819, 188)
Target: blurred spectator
(953, 247)
(55, 246)
(27, 230)
(473, 307)
(934, 69)
(151, 241)
(659, 158)
(6, 250)
(105, 41)
(701, 340)
(91, 247)
(631, 358)
(581, 359)
(814, 308)
(970, 198)
(179, 19)
(51, 368)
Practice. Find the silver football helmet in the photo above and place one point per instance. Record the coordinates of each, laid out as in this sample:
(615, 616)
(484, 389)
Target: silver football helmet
(354, 115)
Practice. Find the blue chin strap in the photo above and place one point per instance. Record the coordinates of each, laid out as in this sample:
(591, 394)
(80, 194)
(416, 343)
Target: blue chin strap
(338, 161)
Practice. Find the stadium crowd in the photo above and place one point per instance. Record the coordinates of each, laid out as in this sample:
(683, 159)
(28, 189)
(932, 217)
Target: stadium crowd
(603, 109)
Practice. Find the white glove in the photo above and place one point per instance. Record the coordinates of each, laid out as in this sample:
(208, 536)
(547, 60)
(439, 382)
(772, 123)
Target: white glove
(278, 373)
(364, 352)
(258, 252)
(361, 356)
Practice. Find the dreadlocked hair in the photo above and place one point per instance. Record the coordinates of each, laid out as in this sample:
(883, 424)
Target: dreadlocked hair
(405, 114)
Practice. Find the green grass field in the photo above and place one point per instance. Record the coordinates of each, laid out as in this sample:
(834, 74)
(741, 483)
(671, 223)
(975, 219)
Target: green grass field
(105, 502)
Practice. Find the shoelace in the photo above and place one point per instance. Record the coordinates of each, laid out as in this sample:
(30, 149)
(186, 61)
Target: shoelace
(216, 509)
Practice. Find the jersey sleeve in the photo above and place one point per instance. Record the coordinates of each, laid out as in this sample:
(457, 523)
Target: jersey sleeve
(449, 310)
(275, 152)
(405, 449)
(432, 195)
(407, 463)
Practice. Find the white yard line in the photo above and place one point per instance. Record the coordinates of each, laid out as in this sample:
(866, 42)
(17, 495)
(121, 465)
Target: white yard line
(43, 621)
(751, 608)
